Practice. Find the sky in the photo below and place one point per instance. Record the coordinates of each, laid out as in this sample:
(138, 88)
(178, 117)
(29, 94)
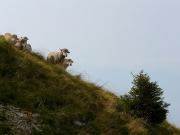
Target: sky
(108, 39)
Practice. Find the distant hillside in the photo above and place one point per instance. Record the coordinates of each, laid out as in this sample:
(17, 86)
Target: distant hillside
(43, 99)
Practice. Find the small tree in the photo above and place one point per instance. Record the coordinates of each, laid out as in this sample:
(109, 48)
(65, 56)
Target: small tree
(145, 99)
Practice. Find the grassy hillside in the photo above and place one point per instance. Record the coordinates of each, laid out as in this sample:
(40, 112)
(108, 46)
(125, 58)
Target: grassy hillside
(66, 104)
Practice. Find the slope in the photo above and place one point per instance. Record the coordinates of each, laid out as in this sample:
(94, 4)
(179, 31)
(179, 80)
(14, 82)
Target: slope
(63, 104)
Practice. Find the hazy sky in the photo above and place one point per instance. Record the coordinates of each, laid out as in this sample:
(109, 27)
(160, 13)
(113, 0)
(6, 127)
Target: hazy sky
(108, 39)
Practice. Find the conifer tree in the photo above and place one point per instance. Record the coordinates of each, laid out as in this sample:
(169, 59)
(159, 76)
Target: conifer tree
(146, 99)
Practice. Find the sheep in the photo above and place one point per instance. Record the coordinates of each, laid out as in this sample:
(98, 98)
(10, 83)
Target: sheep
(27, 47)
(67, 63)
(53, 57)
(24, 43)
(57, 57)
(19, 45)
(14, 39)
(11, 38)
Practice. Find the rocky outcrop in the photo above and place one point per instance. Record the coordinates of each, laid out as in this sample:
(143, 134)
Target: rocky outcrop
(20, 122)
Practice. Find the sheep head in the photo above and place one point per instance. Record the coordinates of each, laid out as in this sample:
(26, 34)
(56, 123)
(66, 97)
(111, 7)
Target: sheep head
(69, 62)
(65, 51)
(23, 39)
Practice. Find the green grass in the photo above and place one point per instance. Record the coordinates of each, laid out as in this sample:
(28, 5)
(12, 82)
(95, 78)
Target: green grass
(29, 82)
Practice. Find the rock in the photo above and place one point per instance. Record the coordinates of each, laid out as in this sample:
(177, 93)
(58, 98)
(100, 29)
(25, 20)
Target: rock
(21, 121)
(78, 123)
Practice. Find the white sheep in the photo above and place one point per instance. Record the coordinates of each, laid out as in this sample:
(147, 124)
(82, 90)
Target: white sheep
(57, 57)
(21, 43)
(27, 47)
(14, 39)
(10, 38)
(18, 44)
(67, 63)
